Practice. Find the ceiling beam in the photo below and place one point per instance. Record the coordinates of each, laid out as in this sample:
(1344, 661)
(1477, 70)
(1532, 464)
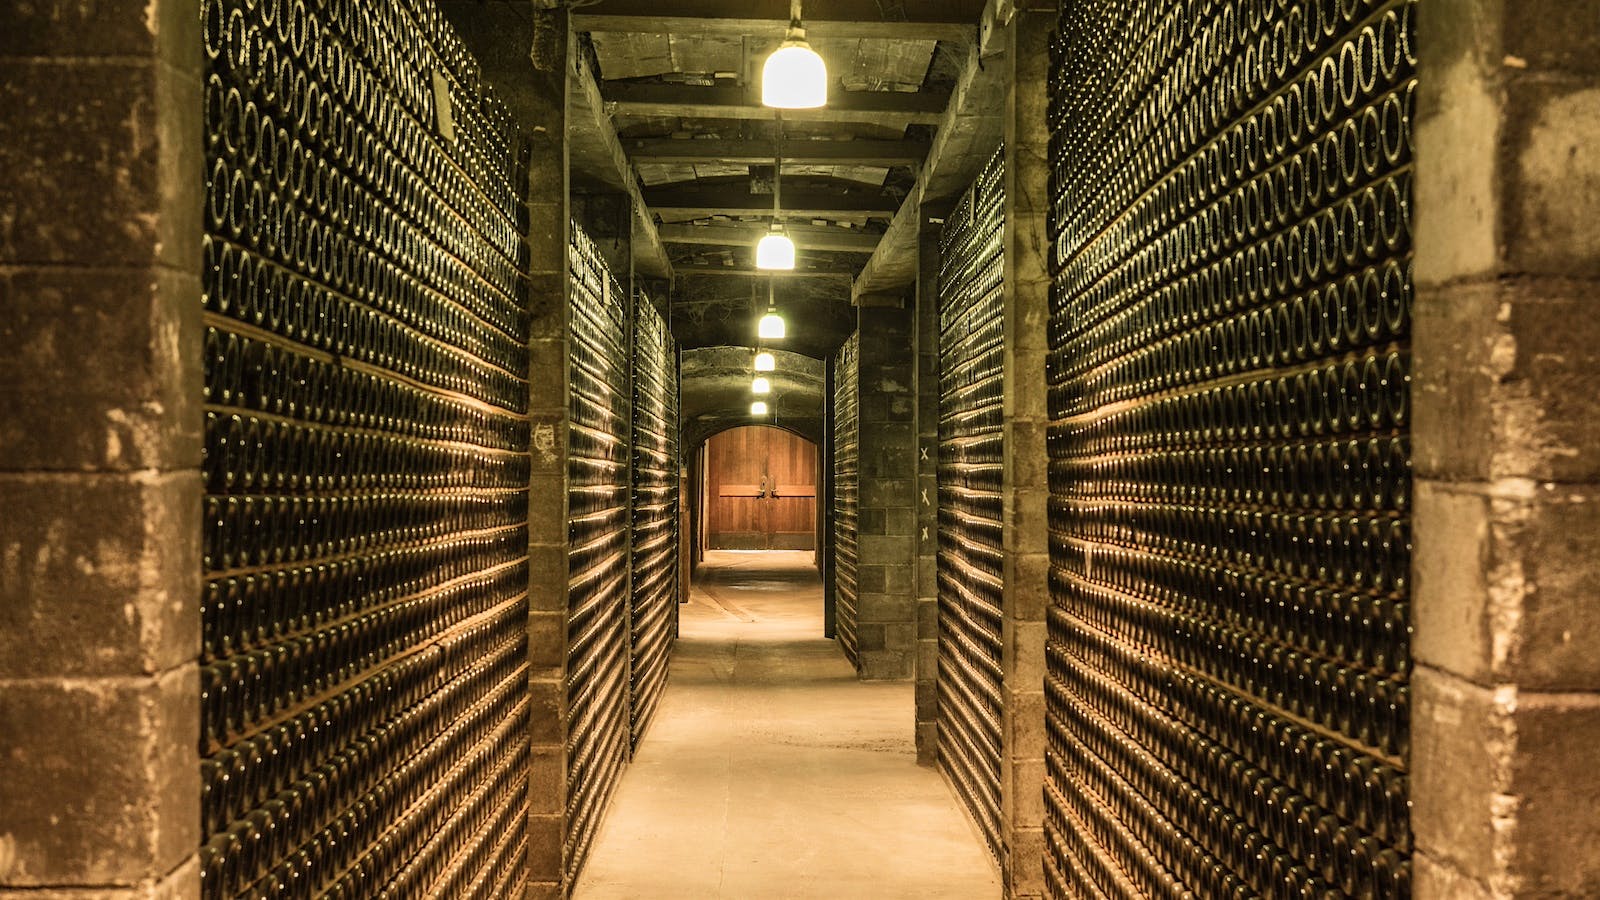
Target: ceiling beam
(816, 29)
(806, 238)
(597, 153)
(957, 12)
(748, 271)
(688, 203)
(759, 152)
(971, 131)
(888, 108)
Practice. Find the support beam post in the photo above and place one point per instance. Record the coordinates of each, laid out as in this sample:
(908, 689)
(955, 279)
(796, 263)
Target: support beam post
(927, 573)
(774, 29)
(689, 102)
(886, 544)
(533, 74)
(1025, 488)
(805, 237)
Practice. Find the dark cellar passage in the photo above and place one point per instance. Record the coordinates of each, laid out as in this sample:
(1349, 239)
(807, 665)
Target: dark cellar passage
(773, 770)
(1171, 449)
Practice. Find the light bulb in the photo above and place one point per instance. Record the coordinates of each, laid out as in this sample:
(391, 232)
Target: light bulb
(795, 77)
(758, 408)
(761, 386)
(771, 327)
(775, 251)
(766, 362)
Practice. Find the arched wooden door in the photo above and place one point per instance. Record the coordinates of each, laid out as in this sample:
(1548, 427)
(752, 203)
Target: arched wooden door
(761, 490)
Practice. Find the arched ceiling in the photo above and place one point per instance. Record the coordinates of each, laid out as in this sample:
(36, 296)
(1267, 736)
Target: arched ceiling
(716, 392)
(718, 311)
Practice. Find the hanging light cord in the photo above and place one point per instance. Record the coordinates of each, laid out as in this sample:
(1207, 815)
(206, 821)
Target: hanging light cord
(777, 173)
(777, 201)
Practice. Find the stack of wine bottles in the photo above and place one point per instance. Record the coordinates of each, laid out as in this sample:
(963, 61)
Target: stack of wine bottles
(1229, 663)
(364, 678)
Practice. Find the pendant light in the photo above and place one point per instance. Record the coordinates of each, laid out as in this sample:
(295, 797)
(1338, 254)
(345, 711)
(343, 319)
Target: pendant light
(766, 362)
(772, 326)
(758, 408)
(776, 252)
(760, 386)
(794, 77)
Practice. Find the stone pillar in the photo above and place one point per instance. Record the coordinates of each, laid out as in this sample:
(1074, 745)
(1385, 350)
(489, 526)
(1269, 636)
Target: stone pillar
(1025, 480)
(1506, 709)
(100, 434)
(830, 612)
(531, 70)
(549, 238)
(886, 548)
(927, 394)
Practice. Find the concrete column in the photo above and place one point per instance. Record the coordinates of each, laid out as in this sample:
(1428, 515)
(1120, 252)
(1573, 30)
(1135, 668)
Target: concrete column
(927, 395)
(1506, 709)
(886, 548)
(830, 611)
(549, 238)
(531, 73)
(1025, 480)
(100, 437)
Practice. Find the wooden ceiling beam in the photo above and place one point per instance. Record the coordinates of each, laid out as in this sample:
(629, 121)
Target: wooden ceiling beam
(683, 269)
(972, 129)
(956, 12)
(805, 237)
(740, 25)
(888, 108)
(688, 203)
(760, 152)
(597, 154)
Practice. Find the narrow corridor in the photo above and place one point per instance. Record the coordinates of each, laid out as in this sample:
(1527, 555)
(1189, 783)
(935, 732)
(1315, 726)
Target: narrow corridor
(771, 771)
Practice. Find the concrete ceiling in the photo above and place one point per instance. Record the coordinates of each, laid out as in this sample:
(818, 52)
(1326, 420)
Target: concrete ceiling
(716, 393)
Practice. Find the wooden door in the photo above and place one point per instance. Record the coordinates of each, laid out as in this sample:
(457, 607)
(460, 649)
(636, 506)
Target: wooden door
(791, 491)
(761, 490)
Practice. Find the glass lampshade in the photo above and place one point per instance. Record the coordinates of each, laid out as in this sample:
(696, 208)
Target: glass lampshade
(758, 408)
(766, 362)
(776, 252)
(761, 386)
(772, 327)
(795, 77)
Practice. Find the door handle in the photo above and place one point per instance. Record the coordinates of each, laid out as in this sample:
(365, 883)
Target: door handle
(763, 486)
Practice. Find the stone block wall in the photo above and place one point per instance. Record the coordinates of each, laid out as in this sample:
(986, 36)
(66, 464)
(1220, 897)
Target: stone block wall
(927, 391)
(887, 535)
(1507, 714)
(100, 487)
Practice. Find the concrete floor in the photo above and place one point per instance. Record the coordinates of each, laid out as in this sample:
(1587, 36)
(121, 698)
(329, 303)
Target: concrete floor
(772, 772)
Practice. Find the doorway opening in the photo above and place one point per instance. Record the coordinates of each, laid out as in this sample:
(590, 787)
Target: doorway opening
(759, 490)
